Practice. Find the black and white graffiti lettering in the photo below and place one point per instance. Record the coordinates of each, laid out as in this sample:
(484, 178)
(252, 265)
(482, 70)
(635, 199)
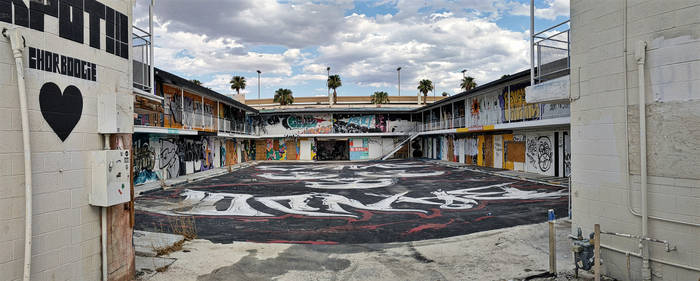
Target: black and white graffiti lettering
(331, 205)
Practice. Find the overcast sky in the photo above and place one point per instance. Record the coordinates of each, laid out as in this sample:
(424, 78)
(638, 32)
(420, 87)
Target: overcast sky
(292, 42)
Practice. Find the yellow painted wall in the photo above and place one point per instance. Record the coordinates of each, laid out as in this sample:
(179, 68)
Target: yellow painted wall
(508, 165)
(480, 147)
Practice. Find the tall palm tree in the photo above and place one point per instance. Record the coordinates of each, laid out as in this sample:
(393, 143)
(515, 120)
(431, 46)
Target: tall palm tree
(333, 83)
(380, 97)
(468, 83)
(237, 83)
(425, 86)
(284, 96)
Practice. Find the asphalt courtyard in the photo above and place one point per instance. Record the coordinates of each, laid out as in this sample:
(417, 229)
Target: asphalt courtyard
(347, 203)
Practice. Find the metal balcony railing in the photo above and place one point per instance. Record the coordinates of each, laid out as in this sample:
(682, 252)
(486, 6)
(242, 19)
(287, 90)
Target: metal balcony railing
(551, 53)
(524, 113)
(141, 50)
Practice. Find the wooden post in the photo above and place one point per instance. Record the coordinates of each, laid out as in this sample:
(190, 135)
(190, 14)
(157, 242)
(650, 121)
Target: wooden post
(596, 252)
(552, 248)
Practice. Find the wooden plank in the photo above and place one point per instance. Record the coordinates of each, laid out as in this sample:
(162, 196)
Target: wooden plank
(291, 149)
(516, 151)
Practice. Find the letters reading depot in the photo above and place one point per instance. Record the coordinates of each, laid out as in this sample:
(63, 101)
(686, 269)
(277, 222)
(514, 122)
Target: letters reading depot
(71, 21)
(53, 62)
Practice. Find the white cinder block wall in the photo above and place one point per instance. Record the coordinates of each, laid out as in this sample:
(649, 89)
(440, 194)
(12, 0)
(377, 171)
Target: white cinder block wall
(66, 230)
(600, 140)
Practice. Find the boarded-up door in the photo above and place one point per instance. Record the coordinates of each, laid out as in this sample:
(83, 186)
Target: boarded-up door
(498, 151)
(260, 148)
(450, 149)
(487, 151)
(291, 149)
(305, 149)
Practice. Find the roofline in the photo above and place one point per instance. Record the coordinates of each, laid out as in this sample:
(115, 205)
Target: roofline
(336, 110)
(509, 78)
(173, 79)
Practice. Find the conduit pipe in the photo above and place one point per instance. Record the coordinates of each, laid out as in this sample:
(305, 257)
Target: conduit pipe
(17, 44)
(103, 225)
(640, 56)
(629, 186)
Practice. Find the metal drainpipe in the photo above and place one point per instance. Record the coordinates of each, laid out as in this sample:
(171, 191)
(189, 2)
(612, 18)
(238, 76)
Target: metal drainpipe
(103, 226)
(640, 56)
(17, 44)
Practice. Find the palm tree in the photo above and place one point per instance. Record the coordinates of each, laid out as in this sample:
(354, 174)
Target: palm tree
(425, 86)
(284, 96)
(237, 83)
(380, 97)
(333, 83)
(468, 83)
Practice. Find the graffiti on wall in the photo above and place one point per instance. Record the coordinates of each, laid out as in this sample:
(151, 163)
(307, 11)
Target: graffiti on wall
(539, 152)
(298, 124)
(359, 149)
(360, 123)
(144, 161)
(184, 156)
(514, 106)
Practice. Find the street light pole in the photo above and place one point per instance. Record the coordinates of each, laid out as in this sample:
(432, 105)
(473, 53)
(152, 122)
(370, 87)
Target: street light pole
(398, 70)
(328, 69)
(464, 75)
(259, 72)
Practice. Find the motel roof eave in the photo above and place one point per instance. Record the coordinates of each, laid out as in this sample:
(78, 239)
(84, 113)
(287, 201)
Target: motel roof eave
(173, 79)
(371, 110)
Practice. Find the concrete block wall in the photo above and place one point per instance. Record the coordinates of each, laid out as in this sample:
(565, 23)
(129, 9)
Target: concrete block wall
(66, 230)
(605, 140)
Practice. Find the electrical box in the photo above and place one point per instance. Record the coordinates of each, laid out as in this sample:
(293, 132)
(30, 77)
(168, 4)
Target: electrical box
(111, 182)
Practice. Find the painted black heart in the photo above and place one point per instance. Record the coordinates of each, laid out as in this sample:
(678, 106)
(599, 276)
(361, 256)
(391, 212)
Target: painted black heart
(61, 110)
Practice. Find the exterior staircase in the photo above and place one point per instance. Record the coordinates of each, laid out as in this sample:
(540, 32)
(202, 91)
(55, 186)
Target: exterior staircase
(400, 145)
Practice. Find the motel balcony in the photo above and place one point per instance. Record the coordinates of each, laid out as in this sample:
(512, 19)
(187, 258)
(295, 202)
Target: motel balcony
(512, 116)
(550, 68)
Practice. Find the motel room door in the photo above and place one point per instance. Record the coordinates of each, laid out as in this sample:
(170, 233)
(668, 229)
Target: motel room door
(291, 149)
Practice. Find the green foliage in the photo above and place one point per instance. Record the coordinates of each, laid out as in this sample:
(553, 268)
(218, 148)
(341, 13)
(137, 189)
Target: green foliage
(468, 83)
(425, 86)
(237, 83)
(380, 97)
(333, 83)
(284, 96)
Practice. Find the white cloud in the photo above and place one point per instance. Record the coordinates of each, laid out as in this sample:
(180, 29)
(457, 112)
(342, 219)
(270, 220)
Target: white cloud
(553, 9)
(428, 39)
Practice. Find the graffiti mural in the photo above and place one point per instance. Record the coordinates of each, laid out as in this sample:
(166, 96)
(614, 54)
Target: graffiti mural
(170, 159)
(539, 153)
(351, 203)
(359, 149)
(144, 161)
(360, 123)
(298, 124)
(514, 107)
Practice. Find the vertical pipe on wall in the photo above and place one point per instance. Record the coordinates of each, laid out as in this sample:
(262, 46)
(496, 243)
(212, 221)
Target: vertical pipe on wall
(640, 55)
(17, 45)
(103, 226)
